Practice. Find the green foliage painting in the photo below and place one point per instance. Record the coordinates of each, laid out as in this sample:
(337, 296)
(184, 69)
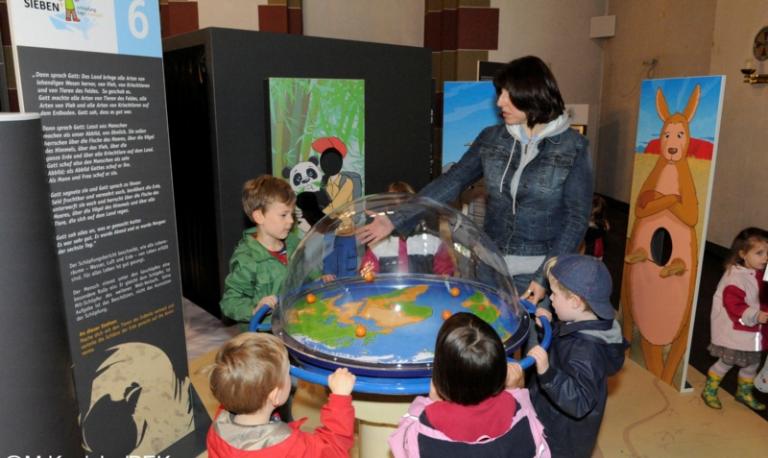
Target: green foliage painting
(303, 110)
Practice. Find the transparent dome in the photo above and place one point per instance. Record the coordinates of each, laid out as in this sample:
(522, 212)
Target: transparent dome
(377, 308)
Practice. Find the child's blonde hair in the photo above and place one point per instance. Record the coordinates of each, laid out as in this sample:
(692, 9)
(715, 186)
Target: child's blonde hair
(554, 283)
(247, 369)
(744, 242)
(259, 193)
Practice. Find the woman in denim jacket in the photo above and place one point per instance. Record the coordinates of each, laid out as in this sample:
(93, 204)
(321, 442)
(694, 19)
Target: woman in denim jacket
(537, 171)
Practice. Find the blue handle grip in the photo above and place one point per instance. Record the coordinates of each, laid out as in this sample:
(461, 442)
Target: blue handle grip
(255, 324)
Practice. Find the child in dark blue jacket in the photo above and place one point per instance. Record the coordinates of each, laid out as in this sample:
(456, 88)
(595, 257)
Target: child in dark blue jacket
(570, 388)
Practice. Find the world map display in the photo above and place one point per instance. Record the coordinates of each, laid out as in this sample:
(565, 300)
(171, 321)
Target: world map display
(386, 322)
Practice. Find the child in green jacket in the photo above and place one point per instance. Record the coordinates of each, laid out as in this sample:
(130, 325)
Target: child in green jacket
(258, 266)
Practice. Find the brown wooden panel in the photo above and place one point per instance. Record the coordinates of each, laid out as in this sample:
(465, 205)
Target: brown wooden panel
(433, 31)
(273, 18)
(478, 28)
(448, 29)
(10, 66)
(295, 21)
(466, 64)
(5, 28)
(13, 100)
(448, 66)
(474, 3)
(184, 17)
(437, 67)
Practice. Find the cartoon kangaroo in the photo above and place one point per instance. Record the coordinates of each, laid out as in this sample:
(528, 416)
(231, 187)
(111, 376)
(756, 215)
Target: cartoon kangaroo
(659, 282)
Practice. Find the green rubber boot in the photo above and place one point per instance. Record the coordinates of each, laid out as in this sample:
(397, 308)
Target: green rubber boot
(709, 393)
(744, 394)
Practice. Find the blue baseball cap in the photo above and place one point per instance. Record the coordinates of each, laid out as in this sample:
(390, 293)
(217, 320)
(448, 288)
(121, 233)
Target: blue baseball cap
(587, 277)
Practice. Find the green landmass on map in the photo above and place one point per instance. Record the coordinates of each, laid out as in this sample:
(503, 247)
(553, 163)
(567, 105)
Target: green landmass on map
(334, 324)
(479, 304)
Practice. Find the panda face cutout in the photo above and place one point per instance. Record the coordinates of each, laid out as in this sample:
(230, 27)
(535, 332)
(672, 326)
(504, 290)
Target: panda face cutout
(305, 176)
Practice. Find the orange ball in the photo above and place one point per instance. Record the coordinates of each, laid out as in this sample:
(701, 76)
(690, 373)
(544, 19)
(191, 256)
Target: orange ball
(311, 298)
(369, 276)
(360, 330)
(446, 314)
(455, 291)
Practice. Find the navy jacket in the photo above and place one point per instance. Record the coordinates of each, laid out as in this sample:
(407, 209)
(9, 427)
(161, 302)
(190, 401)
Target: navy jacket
(570, 397)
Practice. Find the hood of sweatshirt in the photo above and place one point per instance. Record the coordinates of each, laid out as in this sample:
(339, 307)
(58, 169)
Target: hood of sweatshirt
(529, 149)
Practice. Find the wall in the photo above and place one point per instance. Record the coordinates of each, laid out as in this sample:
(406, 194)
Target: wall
(397, 22)
(233, 14)
(558, 32)
(740, 180)
(678, 33)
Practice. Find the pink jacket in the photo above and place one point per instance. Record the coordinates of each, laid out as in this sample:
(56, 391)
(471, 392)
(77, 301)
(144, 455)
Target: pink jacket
(404, 442)
(735, 307)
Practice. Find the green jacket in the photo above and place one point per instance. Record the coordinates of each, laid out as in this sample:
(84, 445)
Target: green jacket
(253, 274)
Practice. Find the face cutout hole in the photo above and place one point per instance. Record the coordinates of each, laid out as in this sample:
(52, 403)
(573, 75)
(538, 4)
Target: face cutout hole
(661, 246)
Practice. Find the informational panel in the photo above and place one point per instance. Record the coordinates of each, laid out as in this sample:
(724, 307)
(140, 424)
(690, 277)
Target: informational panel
(94, 72)
(675, 153)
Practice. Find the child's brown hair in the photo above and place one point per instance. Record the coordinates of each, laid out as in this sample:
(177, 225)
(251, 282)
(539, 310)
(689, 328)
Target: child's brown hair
(400, 186)
(247, 369)
(259, 193)
(743, 242)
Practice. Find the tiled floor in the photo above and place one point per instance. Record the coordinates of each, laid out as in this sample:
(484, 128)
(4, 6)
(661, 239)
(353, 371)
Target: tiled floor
(644, 417)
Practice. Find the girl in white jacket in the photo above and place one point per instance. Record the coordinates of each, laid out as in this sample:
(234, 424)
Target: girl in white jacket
(738, 318)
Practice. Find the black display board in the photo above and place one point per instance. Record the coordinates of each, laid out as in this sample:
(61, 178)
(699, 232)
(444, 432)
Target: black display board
(97, 83)
(36, 391)
(219, 128)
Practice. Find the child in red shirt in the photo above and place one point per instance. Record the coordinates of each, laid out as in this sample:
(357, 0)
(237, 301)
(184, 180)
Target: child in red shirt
(250, 379)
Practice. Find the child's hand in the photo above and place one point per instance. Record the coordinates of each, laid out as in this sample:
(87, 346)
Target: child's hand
(327, 278)
(542, 360)
(341, 382)
(540, 311)
(762, 317)
(271, 301)
(514, 376)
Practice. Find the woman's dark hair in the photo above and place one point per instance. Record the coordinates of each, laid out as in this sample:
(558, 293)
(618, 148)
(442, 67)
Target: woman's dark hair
(470, 363)
(743, 242)
(532, 89)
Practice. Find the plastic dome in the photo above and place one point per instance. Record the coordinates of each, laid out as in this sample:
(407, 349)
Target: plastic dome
(377, 309)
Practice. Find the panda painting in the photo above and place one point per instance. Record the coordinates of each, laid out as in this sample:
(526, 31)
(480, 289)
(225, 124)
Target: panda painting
(305, 176)
(306, 181)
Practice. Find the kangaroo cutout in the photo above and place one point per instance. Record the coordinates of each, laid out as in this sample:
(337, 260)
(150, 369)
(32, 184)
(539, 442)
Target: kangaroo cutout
(662, 252)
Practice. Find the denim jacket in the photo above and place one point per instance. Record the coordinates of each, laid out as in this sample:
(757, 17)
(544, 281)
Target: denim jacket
(554, 197)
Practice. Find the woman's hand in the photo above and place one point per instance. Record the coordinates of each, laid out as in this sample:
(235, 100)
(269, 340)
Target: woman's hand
(376, 230)
(535, 293)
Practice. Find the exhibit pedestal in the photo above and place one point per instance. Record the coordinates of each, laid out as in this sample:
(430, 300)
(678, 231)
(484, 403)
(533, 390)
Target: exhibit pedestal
(377, 418)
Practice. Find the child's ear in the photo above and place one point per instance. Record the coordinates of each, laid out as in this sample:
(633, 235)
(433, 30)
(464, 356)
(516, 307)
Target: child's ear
(274, 396)
(257, 216)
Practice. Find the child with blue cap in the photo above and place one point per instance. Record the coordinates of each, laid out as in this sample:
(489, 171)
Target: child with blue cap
(569, 390)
